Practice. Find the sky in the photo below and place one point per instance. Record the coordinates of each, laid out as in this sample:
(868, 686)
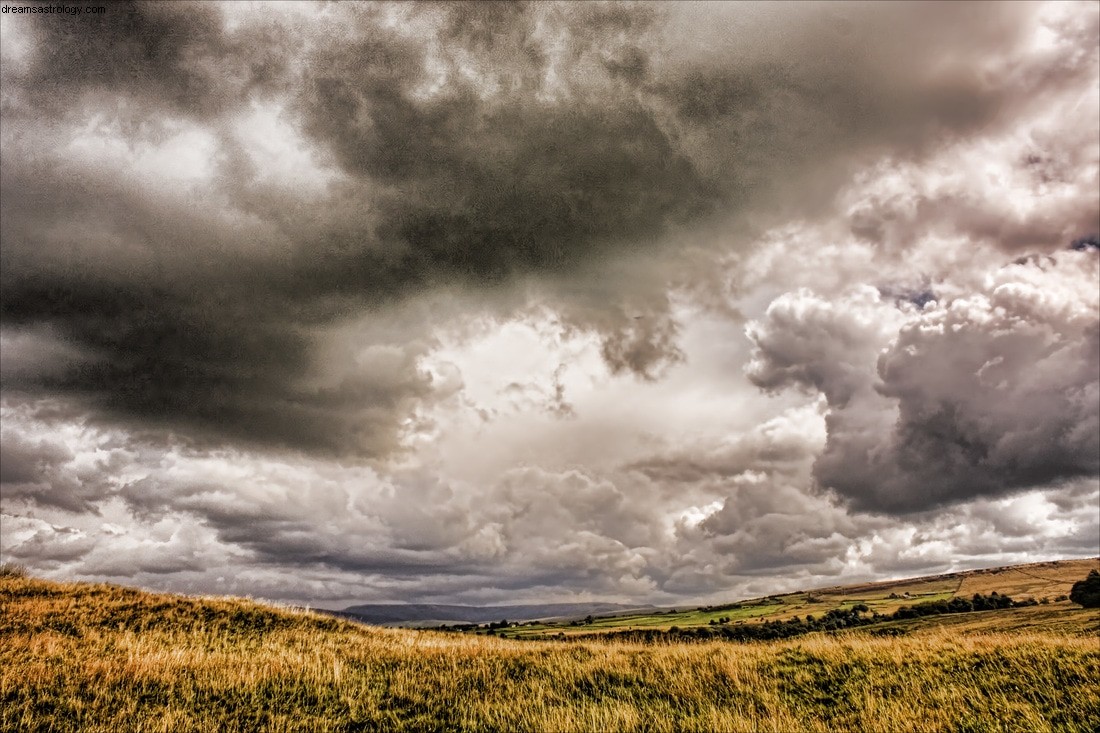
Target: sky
(358, 302)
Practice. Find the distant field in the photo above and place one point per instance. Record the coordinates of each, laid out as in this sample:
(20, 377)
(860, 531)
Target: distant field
(1038, 581)
(103, 658)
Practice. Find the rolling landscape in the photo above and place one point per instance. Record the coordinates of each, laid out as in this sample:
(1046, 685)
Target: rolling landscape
(1047, 584)
(555, 366)
(78, 656)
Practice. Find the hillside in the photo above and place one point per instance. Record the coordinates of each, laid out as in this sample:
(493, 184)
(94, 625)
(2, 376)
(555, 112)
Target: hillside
(1046, 583)
(1035, 580)
(1052, 578)
(103, 658)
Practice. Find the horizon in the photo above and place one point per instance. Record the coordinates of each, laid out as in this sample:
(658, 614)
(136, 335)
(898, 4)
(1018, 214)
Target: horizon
(692, 602)
(685, 604)
(483, 304)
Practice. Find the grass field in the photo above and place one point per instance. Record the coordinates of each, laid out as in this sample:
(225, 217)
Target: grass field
(104, 658)
(1045, 580)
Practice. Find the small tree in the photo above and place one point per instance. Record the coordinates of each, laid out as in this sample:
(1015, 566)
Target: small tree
(1087, 592)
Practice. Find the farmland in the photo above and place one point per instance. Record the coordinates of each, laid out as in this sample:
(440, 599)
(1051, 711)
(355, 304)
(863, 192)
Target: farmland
(1047, 581)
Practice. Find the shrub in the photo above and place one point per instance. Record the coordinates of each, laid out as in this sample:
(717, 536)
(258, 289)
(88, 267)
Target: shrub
(1087, 592)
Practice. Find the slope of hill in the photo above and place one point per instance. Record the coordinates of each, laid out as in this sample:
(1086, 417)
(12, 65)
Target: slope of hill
(103, 658)
(1033, 580)
(1036, 580)
(1047, 583)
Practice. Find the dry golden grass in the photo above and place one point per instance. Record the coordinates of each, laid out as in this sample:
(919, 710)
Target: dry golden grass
(100, 658)
(1034, 580)
(1037, 580)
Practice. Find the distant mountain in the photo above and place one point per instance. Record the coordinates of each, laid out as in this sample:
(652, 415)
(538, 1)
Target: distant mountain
(423, 614)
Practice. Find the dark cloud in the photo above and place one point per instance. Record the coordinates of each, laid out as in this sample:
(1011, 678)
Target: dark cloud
(185, 322)
(995, 393)
(469, 144)
(505, 173)
(26, 463)
(228, 368)
(767, 527)
(1081, 244)
(39, 472)
(982, 395)
(770, 101)
(176, 57)
(300, 529)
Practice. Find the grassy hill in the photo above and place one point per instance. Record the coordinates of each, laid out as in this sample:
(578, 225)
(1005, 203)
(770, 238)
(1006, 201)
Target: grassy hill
(1044, 581)
(105, 658)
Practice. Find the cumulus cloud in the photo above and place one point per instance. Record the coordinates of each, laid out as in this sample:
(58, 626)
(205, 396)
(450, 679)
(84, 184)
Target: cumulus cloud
(823, 345)
(450, 301)
(976, 396)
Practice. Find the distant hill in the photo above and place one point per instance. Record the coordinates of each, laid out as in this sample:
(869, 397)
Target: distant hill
(1051, 578)
(1045, 583)
(1035, 580)
(423, 614)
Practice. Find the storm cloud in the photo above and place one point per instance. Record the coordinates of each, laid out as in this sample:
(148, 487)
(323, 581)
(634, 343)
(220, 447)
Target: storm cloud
(625, 298)
(448, 145)
(942, 402)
